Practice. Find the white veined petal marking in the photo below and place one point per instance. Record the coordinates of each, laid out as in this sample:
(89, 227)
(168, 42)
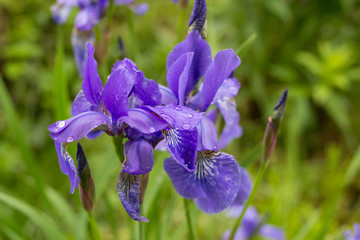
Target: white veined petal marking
(205, 164)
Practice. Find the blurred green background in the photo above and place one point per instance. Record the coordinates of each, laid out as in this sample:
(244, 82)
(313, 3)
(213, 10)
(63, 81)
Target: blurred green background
(311, 47)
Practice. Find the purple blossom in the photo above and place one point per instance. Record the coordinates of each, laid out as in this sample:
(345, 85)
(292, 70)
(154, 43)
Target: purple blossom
(353, 235)
(98, 109)
(252, 224)
(197, 169)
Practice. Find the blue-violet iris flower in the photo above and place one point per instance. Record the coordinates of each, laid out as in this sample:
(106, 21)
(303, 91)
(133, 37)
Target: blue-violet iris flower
(350, 235)
(252, 224)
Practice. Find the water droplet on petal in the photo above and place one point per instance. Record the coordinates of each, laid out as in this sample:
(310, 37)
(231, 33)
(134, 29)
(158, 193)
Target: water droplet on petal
(186, 126)
(151, 130)
(60, 124)
(69, 139)
(178, 108)
(190, 115)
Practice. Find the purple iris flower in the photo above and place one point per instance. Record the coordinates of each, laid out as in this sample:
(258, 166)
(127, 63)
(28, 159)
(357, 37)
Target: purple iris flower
(88, 17)
(113, 109)
(350, 235)
(252, 224)
(197, 169)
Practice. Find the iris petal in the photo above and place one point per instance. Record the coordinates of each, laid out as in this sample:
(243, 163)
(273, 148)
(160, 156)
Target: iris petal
(214, 184)
(182, 145)
(128, 188)
(180, 117)
(201, 61)
(92, 84)
(245, 188)
(67, 164)
(207, 135)
(143, 121)
(81, 105)
(271, 232)
(167, 96)
(78, 43)
(77, 127)
(224, 64)
(178, 75)
(115, 94)
(139, 157)
(147, 90)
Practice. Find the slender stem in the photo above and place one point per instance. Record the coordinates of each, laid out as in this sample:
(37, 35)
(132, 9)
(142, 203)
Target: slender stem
(134, 42)
(95, 234)
(259, 176)
(119, 147)
(192, 235)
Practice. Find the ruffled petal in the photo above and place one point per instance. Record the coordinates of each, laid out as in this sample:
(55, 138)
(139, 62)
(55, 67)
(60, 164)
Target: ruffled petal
(185, 182)
(271, 232)
(92, 84)
(201, 60)
(224, 64)
(67, 164)
(178, 75)
(130, 72)
(115, 94)
(220, 177)
(143, 121)
(77, 127)
(81, 105)
(180, 117)
(207, 135)
(78, 42)
(167, 96)
(139, 157)
(214, 184)
(182, 145)
(245, 188)
(147, 90)
(128, 188)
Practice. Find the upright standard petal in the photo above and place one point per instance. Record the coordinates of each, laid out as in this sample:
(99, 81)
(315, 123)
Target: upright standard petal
(139, 157)
(128, 188)
(60, 12)
(130, 72)
(207, 135)
(201, 61)
(143, 121)
(67, 164)
(178, 75)
(216, 180)
(147, 90)
(180, 117)
(92, 85)
(88, 17)
(224, 64)
(167, 96)
(77, 127)
(115, 94)
(81, 105)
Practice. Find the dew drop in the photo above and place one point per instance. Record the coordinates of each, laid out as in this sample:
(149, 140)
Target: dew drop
(178, 108)
(69, 139)
(60, 124)
(151, 130)
(190, 115)
(186, 126)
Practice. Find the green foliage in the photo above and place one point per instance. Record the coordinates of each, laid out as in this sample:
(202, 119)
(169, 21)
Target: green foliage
(311, 189)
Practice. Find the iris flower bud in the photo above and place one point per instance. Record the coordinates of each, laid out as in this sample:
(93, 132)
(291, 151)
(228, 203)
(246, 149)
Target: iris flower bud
(273, 125)
(86, 185)
(198, 18)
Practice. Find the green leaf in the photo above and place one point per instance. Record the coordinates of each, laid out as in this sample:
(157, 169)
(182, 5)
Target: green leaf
(39, 218)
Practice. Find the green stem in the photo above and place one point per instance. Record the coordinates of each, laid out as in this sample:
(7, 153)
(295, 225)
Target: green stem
(192, 235)
(119, 147)
(95, 234)
(259, 176)
(133, 39)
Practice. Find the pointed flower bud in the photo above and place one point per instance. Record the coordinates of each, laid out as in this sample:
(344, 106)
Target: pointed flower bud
(273, 125)
(86, 185)
(198, 18)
